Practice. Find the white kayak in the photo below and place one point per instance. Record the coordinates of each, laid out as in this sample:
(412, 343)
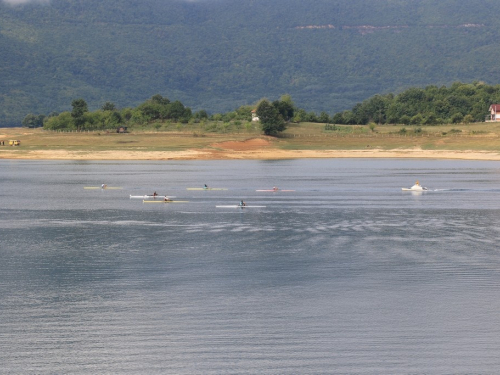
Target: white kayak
(164, 201)
(238, 206)
(150, 196)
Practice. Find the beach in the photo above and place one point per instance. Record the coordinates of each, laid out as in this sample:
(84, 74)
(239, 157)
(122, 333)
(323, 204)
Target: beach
(228, 154)
(83, 147)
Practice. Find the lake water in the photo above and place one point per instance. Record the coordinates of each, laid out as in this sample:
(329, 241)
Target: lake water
(345, 275)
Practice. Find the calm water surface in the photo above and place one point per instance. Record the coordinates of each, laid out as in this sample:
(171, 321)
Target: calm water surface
(345, 275)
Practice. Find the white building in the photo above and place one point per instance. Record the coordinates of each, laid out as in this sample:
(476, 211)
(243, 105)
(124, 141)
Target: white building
(494, 113)
(254, 115)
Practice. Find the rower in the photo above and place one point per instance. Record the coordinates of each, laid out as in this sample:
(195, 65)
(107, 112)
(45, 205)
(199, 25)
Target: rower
(275, 188)
(103, 186)
(205, 187)
(167, 199)
(155, 194)
(242, 204)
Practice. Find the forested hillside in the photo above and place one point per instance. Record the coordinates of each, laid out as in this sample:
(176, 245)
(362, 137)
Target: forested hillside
(220, 54)
(430, 106)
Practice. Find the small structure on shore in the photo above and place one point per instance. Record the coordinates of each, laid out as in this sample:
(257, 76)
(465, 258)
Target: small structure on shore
(254, 115)
(494, 115)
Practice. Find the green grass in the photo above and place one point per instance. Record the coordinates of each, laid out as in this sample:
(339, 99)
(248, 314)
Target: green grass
(304, 136)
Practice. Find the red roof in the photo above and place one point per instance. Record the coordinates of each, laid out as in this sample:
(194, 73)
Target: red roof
(495, 107)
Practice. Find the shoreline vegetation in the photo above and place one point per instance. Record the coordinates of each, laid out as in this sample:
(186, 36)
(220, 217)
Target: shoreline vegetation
(476, 141)
(435, 122)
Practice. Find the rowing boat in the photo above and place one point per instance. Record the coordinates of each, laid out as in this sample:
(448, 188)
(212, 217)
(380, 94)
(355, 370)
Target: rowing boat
(150, 196)
(145, 201)
(273, 190)
(237, 206)
(206, 188)
(103, 188)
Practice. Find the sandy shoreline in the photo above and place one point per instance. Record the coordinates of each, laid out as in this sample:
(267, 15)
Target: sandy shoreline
(252, 154)
(253, 148)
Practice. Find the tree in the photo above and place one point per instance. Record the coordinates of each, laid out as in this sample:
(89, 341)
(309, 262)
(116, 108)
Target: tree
(33, 121)
(29, 121)
(244, 113)
(300, 115)
(431, 119)
(160, 99)
(417, 119)
(338, 118)
(324, 118)
(61, 121)
(201, 114)
(178, 112)
(457, 118)
(271, 120)
(348, 118)
(152, 110)
(468, 119)
(78, 112)
(405, 119)
(311, 117)
(108, 106)
(285, 107)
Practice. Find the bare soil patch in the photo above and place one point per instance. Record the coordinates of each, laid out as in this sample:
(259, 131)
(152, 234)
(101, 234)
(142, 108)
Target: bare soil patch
(247, 145)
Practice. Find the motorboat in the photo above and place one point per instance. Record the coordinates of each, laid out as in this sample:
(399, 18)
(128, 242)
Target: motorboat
(416, 187)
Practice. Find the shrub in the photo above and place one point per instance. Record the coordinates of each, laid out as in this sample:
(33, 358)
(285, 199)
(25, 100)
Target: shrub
(457, 118)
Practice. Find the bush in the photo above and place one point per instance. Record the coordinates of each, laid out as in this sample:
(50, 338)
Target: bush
(417, 119)
(457, 118)
(405, 119)
(468, 119)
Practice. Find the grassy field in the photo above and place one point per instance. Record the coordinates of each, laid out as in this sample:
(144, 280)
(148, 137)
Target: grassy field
(37, 139)
(304, 136)
(478, 137)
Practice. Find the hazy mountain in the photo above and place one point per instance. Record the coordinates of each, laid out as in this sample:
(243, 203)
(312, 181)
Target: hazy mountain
(220, 54)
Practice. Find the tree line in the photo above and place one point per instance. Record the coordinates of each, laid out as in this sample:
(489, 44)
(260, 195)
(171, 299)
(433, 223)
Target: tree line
(273, 116)
(432, 105)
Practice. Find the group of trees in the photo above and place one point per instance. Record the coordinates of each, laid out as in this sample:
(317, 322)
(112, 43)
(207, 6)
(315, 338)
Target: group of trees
(431, 105)
(273, 116)
(157, 108)
(418, 106)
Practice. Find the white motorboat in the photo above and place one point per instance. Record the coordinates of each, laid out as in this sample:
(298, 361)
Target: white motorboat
(416, 187)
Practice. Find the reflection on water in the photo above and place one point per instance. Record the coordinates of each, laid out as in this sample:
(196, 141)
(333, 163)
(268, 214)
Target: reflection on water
(348, 274)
